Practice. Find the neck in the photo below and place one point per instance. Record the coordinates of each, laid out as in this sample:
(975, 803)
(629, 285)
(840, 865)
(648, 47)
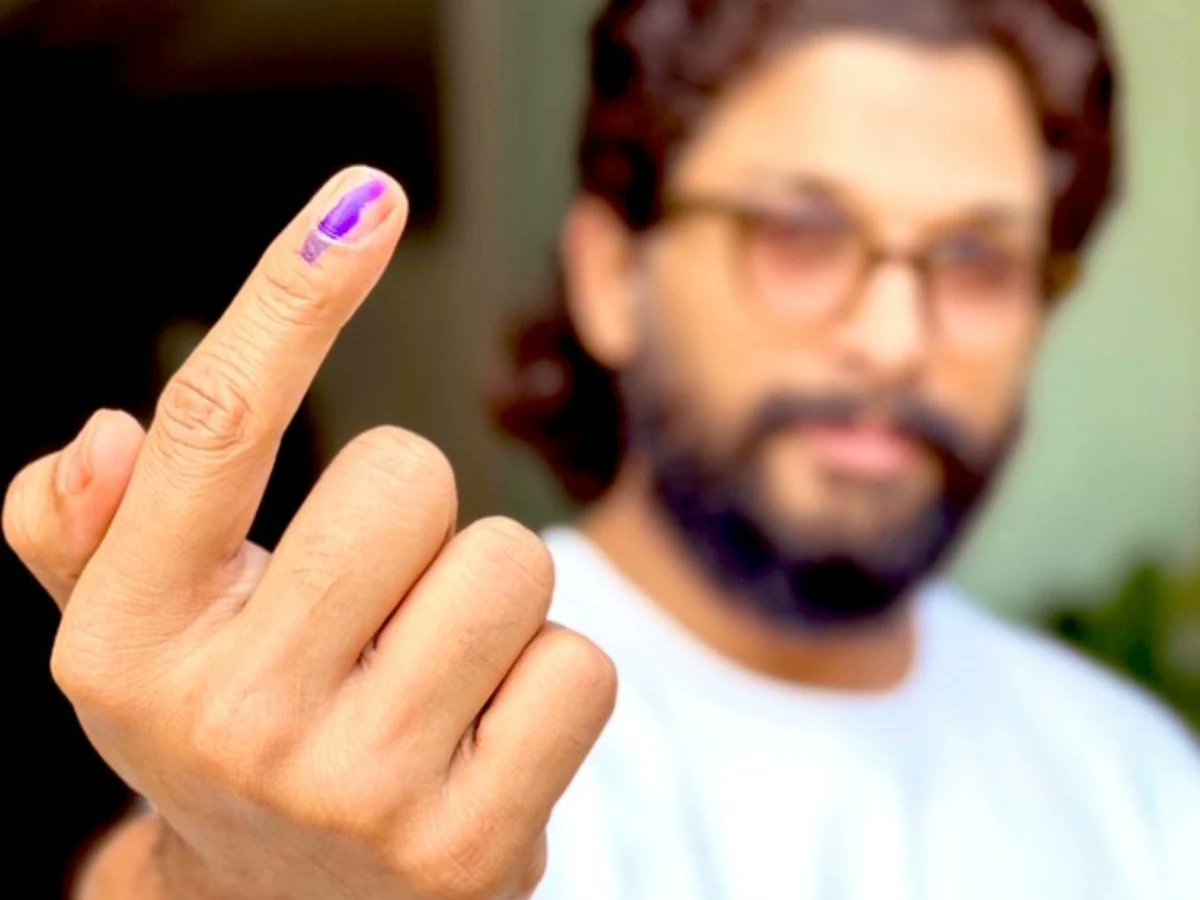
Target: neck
(632, 531)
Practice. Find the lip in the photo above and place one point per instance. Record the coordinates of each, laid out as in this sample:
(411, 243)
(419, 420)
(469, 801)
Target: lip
(864, 449)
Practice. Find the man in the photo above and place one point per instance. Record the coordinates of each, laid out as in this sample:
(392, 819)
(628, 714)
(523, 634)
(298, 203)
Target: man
(804, 282)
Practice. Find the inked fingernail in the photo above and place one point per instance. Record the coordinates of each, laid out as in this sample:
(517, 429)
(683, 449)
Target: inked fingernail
(341, 222)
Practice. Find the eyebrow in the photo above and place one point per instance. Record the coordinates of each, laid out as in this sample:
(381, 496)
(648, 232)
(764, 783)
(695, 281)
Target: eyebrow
(996, 216)
(990, 214)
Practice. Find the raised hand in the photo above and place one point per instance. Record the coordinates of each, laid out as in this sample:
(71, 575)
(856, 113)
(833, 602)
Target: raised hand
(378, 708)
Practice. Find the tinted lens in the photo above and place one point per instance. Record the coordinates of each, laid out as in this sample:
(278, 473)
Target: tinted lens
(802, 265)
(981, 286)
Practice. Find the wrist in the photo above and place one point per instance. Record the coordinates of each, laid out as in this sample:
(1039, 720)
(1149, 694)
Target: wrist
(177, 873)
(142, 858)
(124, 863)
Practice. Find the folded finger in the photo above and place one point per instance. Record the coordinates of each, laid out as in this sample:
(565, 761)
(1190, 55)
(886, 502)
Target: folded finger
(59, 508)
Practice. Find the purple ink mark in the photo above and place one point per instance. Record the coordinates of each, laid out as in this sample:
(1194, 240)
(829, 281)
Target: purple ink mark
(342, 219)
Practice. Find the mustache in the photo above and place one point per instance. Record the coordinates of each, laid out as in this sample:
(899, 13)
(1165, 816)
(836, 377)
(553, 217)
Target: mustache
(906, 412)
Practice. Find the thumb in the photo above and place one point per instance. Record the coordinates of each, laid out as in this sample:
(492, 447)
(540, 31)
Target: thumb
(58, 508)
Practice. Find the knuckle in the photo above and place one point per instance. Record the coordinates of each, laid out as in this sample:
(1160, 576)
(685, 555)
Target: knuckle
(508, 546)
(403, 463)
(16, 516)
(290, 295)
(205, 408)
(241, 739)
(461, 865)
(357, 808)
(324, 806)
(591, 671)
(67, 674)
(82, 671)
(535, 871)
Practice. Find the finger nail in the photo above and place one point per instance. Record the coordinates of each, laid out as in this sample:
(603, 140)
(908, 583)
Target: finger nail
(74, 466)
(347, 219)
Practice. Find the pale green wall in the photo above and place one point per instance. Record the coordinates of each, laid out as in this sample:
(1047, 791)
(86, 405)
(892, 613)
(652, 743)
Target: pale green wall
(1110, 471)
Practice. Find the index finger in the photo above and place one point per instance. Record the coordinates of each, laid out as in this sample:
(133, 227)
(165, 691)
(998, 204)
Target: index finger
(209, 451)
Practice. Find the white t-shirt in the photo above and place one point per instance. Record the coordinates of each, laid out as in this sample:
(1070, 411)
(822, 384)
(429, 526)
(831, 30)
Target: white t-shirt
(1004, 767)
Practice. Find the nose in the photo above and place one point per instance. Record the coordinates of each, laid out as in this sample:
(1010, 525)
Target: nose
(885, 332)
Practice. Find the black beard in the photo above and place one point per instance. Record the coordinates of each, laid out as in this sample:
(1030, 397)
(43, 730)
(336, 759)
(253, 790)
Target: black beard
(791, 573)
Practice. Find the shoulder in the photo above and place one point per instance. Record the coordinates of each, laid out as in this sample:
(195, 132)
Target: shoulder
(1104, 739)
(1059, 687)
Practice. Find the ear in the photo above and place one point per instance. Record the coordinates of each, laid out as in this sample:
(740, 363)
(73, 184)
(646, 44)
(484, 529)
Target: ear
(597, 250)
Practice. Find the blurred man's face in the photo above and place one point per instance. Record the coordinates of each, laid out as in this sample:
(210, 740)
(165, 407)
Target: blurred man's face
(796, 374)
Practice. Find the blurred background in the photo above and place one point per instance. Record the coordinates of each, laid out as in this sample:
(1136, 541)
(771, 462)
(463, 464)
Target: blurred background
(151, 148)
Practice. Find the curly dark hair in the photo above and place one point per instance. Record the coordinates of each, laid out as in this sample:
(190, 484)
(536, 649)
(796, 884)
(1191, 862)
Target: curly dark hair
(656, 66)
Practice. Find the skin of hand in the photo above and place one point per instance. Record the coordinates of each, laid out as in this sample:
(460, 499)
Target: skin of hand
(379, 707)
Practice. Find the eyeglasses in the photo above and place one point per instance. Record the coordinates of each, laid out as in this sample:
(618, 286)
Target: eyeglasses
(806, 267)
